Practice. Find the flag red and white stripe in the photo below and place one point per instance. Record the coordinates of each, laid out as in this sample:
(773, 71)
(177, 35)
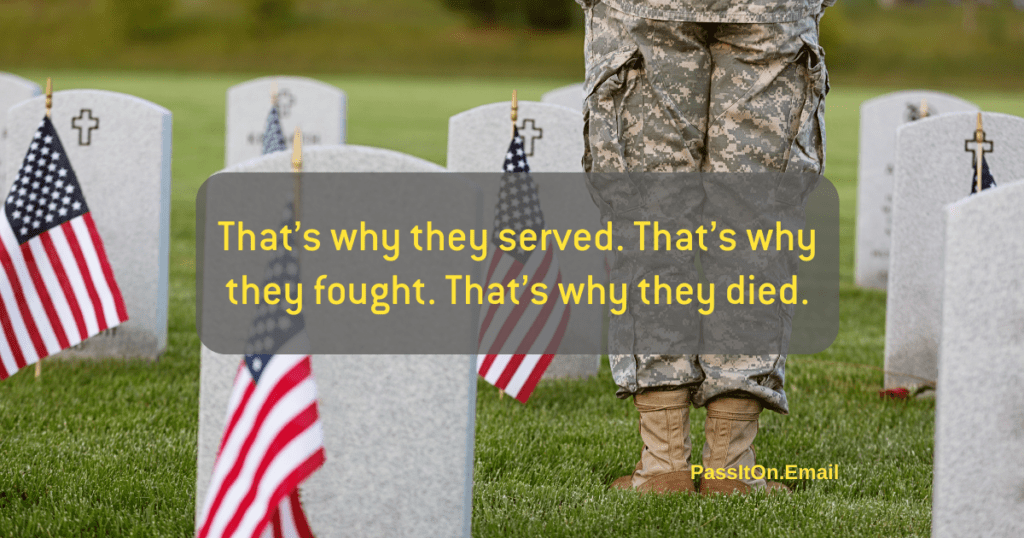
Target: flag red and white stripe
(273, 438)
(56, 285)
(518, 339)
(272, 441)
(522, 327)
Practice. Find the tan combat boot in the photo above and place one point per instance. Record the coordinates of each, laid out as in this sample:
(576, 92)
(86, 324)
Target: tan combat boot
(664, 464)
(730, 430)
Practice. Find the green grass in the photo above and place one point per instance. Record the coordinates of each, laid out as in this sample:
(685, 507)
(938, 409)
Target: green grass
(108, 448)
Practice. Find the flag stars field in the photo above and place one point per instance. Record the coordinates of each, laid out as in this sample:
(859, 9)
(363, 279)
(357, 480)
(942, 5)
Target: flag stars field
(34, 192)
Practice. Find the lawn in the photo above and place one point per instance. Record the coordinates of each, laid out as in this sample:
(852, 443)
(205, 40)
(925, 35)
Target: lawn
(108, 448)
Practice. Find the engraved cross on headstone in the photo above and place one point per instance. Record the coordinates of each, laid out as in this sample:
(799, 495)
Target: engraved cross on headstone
(85, 124)
(972, 146)
(529, 134)
(285, 100)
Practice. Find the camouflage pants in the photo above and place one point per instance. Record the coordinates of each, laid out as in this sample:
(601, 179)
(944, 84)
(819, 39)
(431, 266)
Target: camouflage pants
(664, 96)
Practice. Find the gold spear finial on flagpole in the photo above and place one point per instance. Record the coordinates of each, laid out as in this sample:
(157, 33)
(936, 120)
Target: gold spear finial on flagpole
(297, 168)
(924, 107)
(49, 99)
(979, 152)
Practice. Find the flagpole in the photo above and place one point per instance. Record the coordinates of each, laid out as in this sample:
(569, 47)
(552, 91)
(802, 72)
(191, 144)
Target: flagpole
(297, 168)
(49, 95)
(514, 116)
(515, 110)
(979, 137)
(49, 107)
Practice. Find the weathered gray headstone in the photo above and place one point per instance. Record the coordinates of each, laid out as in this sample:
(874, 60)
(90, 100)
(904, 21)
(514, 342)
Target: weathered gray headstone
(933, 170)
(120, 148)
(553, 137)
(879, 119)
(398, 429)
(979, 415)
(315, 107)
(570, 96)
(13, 90)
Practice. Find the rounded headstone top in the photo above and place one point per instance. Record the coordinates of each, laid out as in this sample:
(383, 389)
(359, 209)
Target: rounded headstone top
(935, 157)
(92, 96)
(13, 90)
(478, 138)
(961, 122)
(339, 158)
(525, 107)
(263, 81)
(569, 96)
(942, 103)
(9, 79)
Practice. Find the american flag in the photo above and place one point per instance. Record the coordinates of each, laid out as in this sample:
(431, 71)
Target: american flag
(526, 325)
(987, 181)
(273, 136)
(273, 438)
(57, 287)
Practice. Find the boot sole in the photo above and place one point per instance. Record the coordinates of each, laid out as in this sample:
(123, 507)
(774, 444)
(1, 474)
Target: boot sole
(714, 486)
(674, 482)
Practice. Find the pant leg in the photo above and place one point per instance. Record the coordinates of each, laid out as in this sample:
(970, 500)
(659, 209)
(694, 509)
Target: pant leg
(767, 98)
(646, 112)
(766, 115)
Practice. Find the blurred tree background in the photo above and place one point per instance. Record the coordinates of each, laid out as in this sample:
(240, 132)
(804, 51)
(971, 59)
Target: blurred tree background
(935, 43)
(542, 14)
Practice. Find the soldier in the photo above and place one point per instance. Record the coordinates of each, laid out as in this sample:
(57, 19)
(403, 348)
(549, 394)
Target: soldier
(695, 86)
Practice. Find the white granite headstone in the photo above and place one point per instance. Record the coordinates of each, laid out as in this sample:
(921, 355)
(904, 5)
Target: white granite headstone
(399, 430)
(553, 137)
(120, 148)
(979, 415)
(315, 107)
(879, 119)
(933, 170)
(570, 96)
(13, 90)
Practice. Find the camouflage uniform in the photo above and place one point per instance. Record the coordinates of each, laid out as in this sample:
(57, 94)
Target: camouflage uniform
(696, 86)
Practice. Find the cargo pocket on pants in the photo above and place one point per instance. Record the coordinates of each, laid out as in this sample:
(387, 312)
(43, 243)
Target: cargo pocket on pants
(604, 90)
(807, 152)
(609, 51)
